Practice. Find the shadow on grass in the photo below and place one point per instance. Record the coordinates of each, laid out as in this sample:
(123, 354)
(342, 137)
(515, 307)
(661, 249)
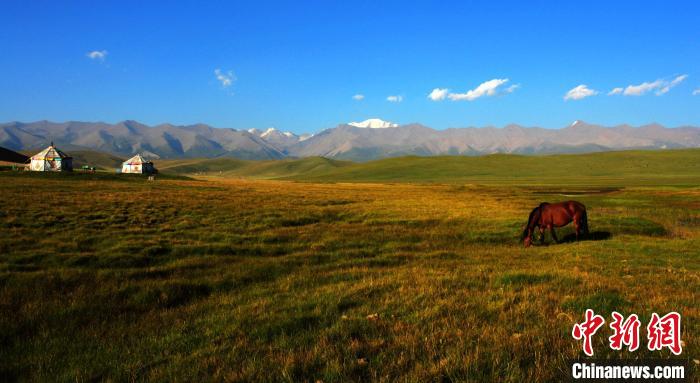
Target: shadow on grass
(571, 237)
(592, 236)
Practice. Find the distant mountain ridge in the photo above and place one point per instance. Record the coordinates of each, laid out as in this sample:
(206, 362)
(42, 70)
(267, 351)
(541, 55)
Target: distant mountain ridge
(128, 137)
(371, 139)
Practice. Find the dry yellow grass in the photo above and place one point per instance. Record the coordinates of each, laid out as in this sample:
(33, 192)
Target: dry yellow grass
(268, 280)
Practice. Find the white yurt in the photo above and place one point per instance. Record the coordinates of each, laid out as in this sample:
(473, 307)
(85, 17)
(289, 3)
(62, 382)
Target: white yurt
(51, 160)
(138, 165)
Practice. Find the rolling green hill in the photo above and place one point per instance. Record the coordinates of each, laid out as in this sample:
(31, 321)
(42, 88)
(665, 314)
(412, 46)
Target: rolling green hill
(673, 166)
(100, 160)
(201, 165)
(230, 167)
(10, 156)
(639, 167)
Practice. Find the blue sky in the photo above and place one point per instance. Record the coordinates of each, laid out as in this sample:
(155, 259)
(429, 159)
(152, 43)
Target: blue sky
(297, 65)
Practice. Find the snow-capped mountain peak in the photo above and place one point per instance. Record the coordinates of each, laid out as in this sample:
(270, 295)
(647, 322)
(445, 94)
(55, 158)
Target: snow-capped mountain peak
(268, 132)
(575, 123)
(374, 123)
(272, 132)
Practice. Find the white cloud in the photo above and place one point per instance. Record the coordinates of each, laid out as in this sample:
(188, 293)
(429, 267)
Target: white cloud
(394, 98)
(638, 90)
(660, 86)
(615, 91)
(358, 97)
(488, 88)
(671, 84)
(438, 94)
(97, 55)
(580, 92)
(225, 78)
(512, 88)
(696, 92)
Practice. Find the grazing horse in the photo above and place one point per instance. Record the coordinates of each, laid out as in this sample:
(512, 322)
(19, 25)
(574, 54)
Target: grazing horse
(551, 215)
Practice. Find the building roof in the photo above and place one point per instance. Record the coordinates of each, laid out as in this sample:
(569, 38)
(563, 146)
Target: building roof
(50, 153)
(136, 160)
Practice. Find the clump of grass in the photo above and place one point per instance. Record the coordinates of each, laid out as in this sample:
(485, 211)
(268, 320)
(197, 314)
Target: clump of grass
(165, 295)
(603, 301)
(524, 279)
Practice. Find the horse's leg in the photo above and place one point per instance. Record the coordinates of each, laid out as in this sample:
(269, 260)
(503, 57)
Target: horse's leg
(577, 226)
(542, 235)
(554, 234)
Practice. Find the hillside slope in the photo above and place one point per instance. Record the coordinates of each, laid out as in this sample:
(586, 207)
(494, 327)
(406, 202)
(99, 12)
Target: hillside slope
(10, 156)
(670, 167)
(229, 167)
(642, 167)
(104, 161)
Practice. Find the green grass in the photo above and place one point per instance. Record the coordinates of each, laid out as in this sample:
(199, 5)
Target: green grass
(100, 160)
(109, 277)
(623, 168)
(669, 167)
(230, 167)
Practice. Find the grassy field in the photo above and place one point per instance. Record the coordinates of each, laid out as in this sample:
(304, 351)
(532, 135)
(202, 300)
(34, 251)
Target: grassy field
(106, 277)
(671, 167)
(102, 161)
(231, 167)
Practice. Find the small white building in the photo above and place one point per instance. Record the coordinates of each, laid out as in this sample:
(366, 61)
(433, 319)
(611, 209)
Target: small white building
(138, 165)
(51, 160)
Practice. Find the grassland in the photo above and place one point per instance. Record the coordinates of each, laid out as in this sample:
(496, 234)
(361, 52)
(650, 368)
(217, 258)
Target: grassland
(116, 278)
(672, 167)
(102, 161)
(231, 167)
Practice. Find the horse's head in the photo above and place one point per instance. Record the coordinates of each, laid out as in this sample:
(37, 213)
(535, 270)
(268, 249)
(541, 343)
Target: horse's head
(527, 236)
(532, 223)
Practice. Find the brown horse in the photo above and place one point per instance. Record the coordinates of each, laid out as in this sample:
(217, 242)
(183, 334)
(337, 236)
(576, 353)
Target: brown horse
(551, 215)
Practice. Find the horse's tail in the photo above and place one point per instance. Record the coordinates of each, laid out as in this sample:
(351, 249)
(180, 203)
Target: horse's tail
(584, 222)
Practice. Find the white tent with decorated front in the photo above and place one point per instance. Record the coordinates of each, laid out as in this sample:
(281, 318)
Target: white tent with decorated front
(138, 165)
(51, 160)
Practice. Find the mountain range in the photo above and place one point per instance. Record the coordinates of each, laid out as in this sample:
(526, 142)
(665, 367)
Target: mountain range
(358, 141)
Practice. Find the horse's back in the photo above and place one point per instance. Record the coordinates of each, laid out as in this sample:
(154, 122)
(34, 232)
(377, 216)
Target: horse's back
(577, 205)
(568, 205)
(571, 208)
